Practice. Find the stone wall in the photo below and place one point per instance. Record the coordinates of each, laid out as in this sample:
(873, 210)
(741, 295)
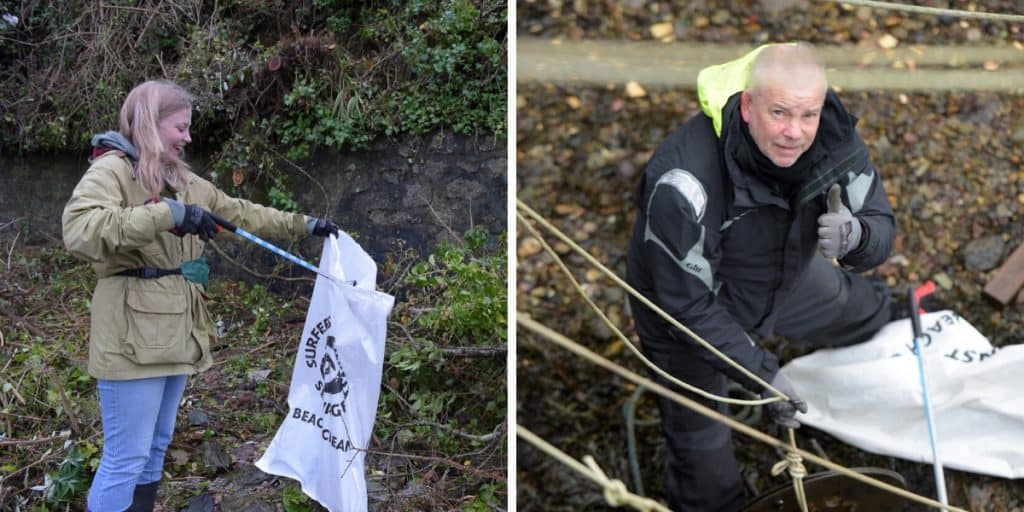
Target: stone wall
(397, 195)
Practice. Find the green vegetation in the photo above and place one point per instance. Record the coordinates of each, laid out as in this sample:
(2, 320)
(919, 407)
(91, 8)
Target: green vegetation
(440, 438)
(301, 75)
(455, 310)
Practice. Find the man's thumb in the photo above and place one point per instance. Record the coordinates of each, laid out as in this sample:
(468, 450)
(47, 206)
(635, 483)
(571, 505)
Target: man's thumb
(835, 200)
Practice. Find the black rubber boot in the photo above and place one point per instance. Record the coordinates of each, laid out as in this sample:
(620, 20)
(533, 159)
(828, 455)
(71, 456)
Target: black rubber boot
(144, 497)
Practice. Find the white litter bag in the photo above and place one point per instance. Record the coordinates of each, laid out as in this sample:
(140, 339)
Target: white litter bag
(336, 382)
(869, 395)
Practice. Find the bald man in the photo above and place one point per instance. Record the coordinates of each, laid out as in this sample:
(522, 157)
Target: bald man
(757, 218)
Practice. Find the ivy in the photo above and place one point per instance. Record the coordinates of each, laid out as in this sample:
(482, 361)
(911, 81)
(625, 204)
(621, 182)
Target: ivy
(309, 75)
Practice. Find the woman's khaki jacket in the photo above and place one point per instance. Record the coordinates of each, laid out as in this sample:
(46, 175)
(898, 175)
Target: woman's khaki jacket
(150, 327)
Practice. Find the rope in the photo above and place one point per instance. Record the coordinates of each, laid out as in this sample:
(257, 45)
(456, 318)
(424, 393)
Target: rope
(934, 10)
(629, 343)
(615, 492)
(532, 325)
(629, 414)
(675, 323)
(795, 464)
(748, 415)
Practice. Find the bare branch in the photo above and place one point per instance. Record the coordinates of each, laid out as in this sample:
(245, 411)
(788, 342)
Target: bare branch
(25, 442)
(474, 351)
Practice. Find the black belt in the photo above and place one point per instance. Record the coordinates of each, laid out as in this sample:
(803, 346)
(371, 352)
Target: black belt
(149, 272)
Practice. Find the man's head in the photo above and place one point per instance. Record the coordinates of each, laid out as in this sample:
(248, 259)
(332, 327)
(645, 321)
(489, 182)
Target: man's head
(783, 100)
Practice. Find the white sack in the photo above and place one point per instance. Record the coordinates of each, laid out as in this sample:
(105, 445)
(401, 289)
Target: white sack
(868, 395)
(332, 402)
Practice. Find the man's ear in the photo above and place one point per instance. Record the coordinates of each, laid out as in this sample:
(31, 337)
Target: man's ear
(745, 106)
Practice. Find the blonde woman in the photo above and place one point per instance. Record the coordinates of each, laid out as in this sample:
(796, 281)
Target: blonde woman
(142, 218)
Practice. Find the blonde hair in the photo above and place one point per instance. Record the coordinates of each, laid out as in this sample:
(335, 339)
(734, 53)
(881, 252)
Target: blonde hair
(145, 106)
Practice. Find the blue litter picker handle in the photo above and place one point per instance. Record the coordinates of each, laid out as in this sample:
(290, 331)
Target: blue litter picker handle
(933, 435)
(227, 226)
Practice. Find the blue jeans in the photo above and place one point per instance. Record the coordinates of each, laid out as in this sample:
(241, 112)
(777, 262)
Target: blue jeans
(138, 422)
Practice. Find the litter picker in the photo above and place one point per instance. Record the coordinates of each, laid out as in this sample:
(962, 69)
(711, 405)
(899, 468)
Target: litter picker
(933, 435)
(227, 226)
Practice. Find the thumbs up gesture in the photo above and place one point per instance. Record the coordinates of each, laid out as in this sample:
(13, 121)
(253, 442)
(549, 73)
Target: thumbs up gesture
(838, 230)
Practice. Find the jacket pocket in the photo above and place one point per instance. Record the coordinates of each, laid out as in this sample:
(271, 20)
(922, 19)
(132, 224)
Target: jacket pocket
(158, 328)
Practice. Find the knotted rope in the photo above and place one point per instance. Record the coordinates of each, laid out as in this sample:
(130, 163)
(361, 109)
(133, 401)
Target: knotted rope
(795, 464)
(615, 491)
(616, 494)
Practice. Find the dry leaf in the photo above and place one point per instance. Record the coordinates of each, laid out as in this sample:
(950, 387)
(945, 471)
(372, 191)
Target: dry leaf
(529, 246)
(888, 42)
(573, 102)
(566, 209)
(614, 348)
(635, 90)
(660, 30)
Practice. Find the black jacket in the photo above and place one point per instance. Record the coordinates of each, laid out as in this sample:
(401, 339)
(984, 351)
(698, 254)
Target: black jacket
(718, 248)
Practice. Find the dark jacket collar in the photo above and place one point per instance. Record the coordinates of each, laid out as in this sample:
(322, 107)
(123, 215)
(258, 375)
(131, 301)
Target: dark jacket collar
(836, 131)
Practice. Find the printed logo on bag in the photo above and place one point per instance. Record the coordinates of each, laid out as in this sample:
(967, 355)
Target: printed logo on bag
(332, 385)
(321, 354)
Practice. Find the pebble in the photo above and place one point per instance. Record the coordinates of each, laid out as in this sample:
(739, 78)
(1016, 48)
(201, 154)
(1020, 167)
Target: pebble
(721, 17)
(214, 455)
(246, 504)
(635, 90)
(201, 503)
(661, 30)
(985, 253)
(197, 418)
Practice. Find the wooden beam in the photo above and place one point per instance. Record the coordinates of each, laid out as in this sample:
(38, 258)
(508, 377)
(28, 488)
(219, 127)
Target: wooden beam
(1008, 280)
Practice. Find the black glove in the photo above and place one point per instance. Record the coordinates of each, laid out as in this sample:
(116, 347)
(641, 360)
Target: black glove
(321, 227)
(784, 412)
(190, 219)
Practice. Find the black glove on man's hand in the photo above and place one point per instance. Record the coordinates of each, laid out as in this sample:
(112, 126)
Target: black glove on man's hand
(321, 227)
(190, 219)
(784, 412)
